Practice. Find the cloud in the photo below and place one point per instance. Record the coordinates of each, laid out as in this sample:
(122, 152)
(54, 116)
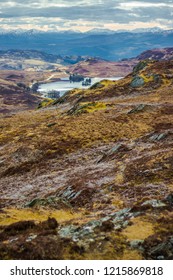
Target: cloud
(85, 14)
(136, 5)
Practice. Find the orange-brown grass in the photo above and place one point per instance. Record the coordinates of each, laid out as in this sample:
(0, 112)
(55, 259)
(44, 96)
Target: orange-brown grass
(15, 215)
(80, 145)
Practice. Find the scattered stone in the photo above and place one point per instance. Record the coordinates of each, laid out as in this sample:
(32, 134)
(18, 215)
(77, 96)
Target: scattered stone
(139, 108)
(162, 250)
(169, 198)
(157, 78)
(31, 237)
(160, 258)
(69, 232)
(124, 213)
(13, 240)
(159, 137)
(53, 201)
(116, 149)
(136, 244)
(140, 66)
(90, 230)
(51, 124)
(137, 82)
(33, 202)
(69, 193)
(154, 203)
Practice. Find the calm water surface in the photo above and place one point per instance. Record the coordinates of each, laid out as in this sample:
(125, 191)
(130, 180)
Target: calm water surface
(64, 85)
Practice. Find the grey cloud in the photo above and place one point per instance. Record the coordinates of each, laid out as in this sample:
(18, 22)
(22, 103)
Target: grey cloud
(98, 10)
(153, 14)
(91, 13)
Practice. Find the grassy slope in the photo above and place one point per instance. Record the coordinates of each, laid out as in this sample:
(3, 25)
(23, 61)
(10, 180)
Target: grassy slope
(94, 153)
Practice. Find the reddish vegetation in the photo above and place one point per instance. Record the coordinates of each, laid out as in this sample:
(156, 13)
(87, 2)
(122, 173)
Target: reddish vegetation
(157, 54)
(98, 162)
(102, 68)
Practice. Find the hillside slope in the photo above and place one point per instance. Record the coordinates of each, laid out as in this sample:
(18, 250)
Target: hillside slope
(23, 59)
(102, 68)
(157, 54)
(16, 96)
(90, 177)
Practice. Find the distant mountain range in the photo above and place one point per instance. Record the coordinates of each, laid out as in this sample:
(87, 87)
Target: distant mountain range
(137, 30)
(95, 43)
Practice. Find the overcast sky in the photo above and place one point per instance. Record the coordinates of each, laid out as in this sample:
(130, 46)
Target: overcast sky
(83, 15)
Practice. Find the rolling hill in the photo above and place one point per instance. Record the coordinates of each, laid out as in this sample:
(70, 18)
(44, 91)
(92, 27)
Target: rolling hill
(89, 176)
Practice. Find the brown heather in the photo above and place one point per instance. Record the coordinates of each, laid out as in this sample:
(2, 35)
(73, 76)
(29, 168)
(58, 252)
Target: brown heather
(98, 159)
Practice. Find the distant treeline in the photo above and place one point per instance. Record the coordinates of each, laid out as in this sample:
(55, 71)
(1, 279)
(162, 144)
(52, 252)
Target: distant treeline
(76, 78)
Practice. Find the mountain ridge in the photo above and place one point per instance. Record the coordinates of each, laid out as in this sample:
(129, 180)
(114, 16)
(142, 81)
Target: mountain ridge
(114, 46)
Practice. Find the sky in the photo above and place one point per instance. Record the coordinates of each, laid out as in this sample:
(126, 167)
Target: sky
(84, 15)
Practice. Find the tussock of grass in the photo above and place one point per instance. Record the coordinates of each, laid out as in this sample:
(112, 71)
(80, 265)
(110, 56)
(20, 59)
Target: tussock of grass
(15, 215)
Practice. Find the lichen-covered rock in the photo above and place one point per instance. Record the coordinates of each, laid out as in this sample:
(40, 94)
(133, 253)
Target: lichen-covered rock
(118, 148)
(159, 136)
(140, 66)
(137, 82)
(51, 201)
(138, 108)
(154, 203)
